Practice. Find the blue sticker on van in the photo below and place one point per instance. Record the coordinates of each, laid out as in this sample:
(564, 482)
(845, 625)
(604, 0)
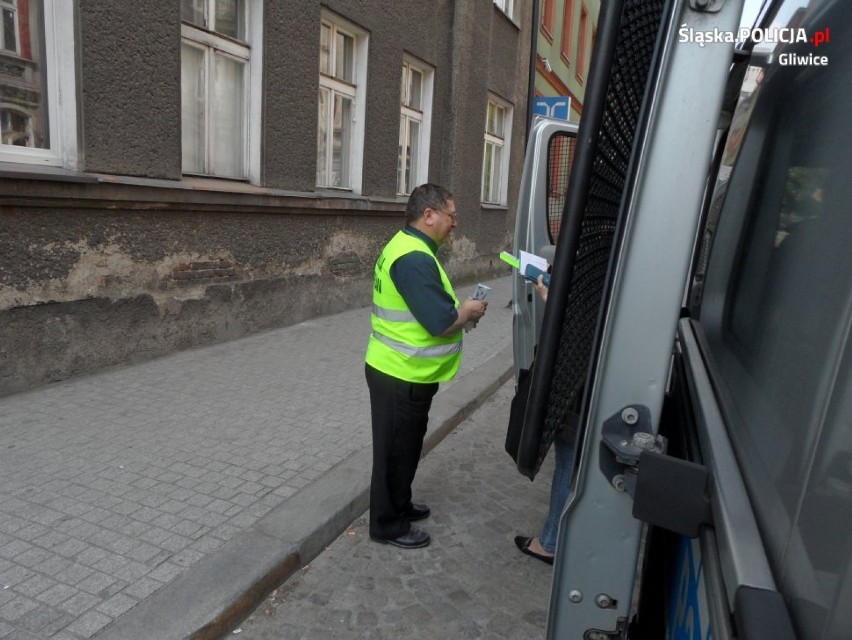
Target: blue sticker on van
(688, 616)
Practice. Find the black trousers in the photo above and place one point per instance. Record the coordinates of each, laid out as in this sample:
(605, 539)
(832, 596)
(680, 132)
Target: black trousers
(400, 413)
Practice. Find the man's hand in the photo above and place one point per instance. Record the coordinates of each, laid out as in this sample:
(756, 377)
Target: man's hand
(469, 311)
(472, 309)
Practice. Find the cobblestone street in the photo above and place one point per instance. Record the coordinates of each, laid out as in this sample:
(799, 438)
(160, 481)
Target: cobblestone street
(471, 582)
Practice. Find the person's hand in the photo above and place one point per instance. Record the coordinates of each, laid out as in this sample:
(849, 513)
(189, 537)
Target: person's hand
(541, 288)
(474, 309)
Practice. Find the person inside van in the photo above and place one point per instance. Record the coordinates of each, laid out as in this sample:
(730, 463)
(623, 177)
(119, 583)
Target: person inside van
(543, 546)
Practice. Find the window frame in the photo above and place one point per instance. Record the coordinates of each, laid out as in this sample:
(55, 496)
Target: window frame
(567, 31)
(13, 6)
(507, 7)
(249, 53)
(504, 143)
(61, 88)
(547, 15)
(423, 116)
(356, 90)
(581, 43)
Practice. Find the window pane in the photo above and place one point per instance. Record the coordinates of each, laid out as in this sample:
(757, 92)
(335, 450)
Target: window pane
(322, 138)
(413, 153)
(227, 117)
(192, 11)
(486, 172)
(499, 112)
(344, 57)
(403, 97)
(496, 173)
(490, 117)
(325, 44)
(402, 159)
(15, 127)
(341, 141)
(192, 108)
(23, 82)
(416, 89)
(10, 39)
(230, 18)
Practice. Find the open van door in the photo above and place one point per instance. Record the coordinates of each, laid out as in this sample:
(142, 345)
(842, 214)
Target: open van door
(541, 200)
(621, 266)
(700, 310)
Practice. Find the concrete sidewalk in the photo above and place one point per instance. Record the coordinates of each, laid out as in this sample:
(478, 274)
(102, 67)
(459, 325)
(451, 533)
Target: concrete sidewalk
(165, 500)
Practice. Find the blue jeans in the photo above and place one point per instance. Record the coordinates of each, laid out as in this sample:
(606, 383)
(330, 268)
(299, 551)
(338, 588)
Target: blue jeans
(564, 451)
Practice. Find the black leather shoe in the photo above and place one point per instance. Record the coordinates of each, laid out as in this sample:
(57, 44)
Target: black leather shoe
(417, 512)
(414, 539)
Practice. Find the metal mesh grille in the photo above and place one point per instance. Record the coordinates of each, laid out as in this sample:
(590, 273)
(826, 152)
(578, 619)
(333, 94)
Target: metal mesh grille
(560, 159)
(624, 94)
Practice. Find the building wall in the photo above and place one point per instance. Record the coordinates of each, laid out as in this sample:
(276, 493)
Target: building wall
(125, 259)
(556, 73)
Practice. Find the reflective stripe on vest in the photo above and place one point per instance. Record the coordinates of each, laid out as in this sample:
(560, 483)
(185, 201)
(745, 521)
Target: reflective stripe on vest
(393, 316)
(419, 352)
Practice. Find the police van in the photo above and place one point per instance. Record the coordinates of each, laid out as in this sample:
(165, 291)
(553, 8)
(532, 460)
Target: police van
(699, 222)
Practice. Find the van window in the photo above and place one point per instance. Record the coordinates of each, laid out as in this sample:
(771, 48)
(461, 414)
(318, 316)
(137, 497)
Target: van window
(780, 351)
(560, 159)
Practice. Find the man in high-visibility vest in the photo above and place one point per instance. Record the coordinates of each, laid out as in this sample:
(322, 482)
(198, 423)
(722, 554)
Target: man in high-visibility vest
(415, 344)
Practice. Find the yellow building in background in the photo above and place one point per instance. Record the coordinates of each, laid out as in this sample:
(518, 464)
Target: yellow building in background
(566, 36)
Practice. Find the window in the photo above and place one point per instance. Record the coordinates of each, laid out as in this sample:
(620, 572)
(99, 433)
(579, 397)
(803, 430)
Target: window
(567, 23)
(547, 18)
(495, 157)
(581, 43)
(340, 118)
(414, 126)
(560, 156)
(506, 6)
(219, 76)
(37, 127)
(9, 35)
(777, 313)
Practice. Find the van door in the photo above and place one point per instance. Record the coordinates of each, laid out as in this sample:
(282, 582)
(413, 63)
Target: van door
(620, 269)
(544, 184)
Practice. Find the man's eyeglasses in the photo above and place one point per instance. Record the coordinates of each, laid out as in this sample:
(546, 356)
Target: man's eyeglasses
(453, 215)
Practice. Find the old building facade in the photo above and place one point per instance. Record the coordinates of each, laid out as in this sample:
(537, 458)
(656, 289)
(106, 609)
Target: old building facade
(175, 174)
(565, 40)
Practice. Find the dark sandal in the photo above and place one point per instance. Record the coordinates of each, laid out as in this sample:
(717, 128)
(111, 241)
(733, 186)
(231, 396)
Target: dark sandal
(523, 543)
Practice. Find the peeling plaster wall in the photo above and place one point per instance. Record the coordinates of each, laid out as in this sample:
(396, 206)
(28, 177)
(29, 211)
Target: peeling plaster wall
(96, 289)
(82, 290)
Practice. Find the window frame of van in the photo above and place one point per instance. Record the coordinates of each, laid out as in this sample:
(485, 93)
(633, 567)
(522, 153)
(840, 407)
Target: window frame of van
(245, 51)
(354, 89)
(60, 81)
(495, 191)
(422, 115)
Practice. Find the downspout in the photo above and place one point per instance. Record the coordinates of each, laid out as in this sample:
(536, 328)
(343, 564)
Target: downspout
(457, 37)
(533, 53)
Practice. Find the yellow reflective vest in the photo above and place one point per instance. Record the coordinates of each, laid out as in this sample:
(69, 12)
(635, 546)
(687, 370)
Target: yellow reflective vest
(399, 345)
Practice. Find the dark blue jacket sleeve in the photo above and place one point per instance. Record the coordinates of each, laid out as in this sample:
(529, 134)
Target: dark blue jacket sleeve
(417, 279)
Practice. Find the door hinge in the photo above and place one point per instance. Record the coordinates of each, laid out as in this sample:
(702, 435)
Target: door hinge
(623, 438)
(667, 492)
